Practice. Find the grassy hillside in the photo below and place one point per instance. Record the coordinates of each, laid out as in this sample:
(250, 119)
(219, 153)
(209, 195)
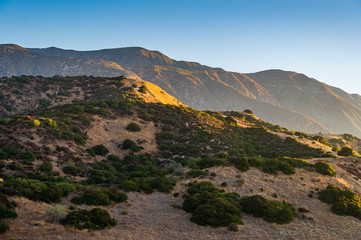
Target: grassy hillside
(125, 151)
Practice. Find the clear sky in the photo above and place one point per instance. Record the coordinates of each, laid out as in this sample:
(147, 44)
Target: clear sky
(320, 38)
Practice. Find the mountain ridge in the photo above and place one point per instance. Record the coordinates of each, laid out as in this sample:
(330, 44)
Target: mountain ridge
(287, 102)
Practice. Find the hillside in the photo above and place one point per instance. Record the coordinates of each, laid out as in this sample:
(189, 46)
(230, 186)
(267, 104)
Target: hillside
(144, 163)
(16, 61)
(284, 98)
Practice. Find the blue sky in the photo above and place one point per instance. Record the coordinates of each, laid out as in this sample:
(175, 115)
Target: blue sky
(320, 38)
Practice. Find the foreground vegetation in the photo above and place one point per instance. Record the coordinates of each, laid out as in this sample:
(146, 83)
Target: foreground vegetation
(188, 141)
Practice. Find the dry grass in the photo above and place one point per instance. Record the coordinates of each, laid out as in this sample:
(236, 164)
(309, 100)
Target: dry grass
(156, 216)
(112, 133)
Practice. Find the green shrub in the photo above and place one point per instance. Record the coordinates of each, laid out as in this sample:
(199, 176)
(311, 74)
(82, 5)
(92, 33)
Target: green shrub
(73, 170)
(28, 156)
(6, 212)
(211, 207)
(78, 139)
(52, 193)
(46, 167)
(68, 136)
(129, 144)
(269, 210)
(91, 152)
(84, 119)
(274, 165)
(3, 155)
(66, 187)
(346, 151)
(240, 163)
(217, 212)
(322, 140)
(102, 197)
(96, 198)
(162, 184)
(100, 150)
(248, 111)
(133, 127)
(76, 129)
(96, 219)
(129, 185)
(4, 226)
(11, 150)
(325, 169)
(343, 202)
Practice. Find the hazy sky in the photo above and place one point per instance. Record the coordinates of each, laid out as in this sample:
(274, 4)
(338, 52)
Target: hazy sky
(320, 38)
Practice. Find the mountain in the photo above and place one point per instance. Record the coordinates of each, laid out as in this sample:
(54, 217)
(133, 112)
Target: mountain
(15, 61)
(334, 108)
(284, 98)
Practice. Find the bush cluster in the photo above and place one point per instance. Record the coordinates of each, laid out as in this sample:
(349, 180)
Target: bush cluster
(133, 172)
(129, 144)
(37, 190)
(8, 151)
(7, 210)
(98, 150)
(270, 210)
(211, 207)
(102, 197)
(346, 151)
(343, 202)
(325, 168)
(95, 219)
(133, 127)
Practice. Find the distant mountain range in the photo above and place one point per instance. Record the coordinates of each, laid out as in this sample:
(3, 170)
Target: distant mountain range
(285, 98)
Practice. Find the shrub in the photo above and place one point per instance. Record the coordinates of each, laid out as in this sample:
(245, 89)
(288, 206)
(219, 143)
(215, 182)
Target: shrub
(6, 212)
(52, 193)
(129, 144)
(101, 197)
(343, 202)
(129, 185)
(133, 127)
(162, 184)
(28, 156)
(4, 226)
(240, 163)
(76, 129)
(91, 152)
(66, 187)
(218, 212)
(248, 111)
(275, 165)
(100, 150)
(233, 227)
(143, 89)
(211, 207)
(95, 219)
(95, 198)
(325, 169)
(46, 167)
(3, 155)
(73, 170)
(269, 210)
(11, 150)
(78, 139)
(346, 151)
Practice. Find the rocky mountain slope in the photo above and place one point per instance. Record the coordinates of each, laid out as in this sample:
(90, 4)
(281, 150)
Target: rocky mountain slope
(284, 98)
(143, 163)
